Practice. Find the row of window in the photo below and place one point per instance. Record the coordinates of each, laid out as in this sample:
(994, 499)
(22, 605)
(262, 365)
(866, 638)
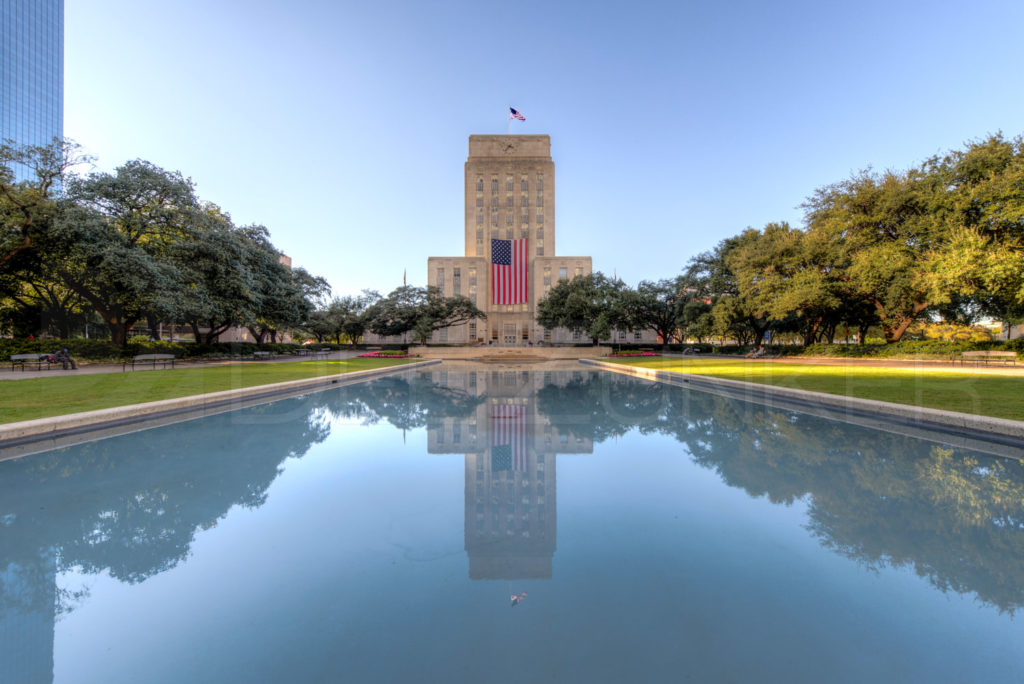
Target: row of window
(510, 202)
(510, 182)
(523, 233)
(509, 219)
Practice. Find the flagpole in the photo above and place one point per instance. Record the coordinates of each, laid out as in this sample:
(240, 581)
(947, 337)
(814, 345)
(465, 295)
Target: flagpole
(509, 118)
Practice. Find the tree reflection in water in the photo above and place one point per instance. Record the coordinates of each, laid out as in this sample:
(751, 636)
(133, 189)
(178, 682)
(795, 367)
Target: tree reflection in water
(132, 505)
(886, 500)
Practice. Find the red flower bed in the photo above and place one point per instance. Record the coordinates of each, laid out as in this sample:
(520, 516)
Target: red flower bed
(634, 353)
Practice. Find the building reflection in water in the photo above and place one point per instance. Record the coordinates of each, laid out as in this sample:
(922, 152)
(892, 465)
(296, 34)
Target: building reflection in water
(511, 453)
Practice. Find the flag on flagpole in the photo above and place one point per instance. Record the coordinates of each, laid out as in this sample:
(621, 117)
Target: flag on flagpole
(514, 113)
(508, 271)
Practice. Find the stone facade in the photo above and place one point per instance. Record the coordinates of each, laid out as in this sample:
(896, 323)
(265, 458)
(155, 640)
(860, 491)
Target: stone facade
(509, 193)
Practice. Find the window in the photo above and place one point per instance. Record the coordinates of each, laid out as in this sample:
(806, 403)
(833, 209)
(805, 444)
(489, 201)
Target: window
(540, 201)
(472, 338)
(472, 276)
(508, 183)
(637, 336)
(479, 219)
(509, 202)
(547, 338)
(563, 273)
(540, 251)
(524, 232)
(525, 218)
(456, 281)
(540, 218)
(494, 202)
(575, 336)
(579, 271)
(540, 242)
(494, 219)
(526, 334)
(508, 234)
(479, 233)
(479, 184)
(524, 185)
(540, 182)
(442, 335)
(540, 232)
(494, 186)
(523, 201)
(440, 278)
(508, 220)
(479, 250)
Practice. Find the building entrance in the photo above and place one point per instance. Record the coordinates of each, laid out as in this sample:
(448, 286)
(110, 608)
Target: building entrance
(510, 334)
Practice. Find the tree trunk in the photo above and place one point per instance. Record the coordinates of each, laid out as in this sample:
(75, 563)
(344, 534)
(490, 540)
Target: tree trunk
(154, 327)
(119, 332)
(257, 333)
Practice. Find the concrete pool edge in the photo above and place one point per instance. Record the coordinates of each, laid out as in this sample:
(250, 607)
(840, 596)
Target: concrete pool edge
(53, 428)
(952, 421)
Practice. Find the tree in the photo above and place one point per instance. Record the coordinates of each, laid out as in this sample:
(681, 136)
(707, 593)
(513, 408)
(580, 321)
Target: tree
(420, 310)
(590, 304)
(979, 271)
(710, 277)
(221, 289)
(656, 306)
(119, 231)
(882, 232)
(28, 208)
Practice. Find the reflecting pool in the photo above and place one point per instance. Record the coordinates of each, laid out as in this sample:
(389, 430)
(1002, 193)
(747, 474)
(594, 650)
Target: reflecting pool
(479, 525)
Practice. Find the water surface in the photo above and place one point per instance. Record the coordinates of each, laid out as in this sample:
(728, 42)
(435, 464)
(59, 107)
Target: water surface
(377, 533)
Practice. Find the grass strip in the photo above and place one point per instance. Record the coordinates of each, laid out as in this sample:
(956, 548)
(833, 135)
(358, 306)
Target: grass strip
(988, 394)
(46, 397)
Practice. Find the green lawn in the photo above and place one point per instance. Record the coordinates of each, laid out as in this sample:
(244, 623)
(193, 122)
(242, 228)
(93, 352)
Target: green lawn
(1000, 396)
(44, 397)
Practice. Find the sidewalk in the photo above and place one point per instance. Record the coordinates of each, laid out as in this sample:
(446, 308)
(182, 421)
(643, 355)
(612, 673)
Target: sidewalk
(94, 368)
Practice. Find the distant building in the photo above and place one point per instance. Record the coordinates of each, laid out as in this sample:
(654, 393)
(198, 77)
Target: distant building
(31, 73)
(509, 217)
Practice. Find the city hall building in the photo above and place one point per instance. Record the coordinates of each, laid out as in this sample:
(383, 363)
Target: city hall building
(510, 259)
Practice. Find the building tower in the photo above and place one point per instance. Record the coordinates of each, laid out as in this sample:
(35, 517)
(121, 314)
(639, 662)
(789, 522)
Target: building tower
(31, 73)
(509, 204)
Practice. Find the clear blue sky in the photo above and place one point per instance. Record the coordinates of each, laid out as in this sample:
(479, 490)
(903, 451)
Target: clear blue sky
(343, 126)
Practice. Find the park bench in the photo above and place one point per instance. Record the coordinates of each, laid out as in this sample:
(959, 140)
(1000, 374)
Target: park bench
(302, 351)
(154, 359)
(24, 359)
(987, 357)
(261, 355)
(321, 353)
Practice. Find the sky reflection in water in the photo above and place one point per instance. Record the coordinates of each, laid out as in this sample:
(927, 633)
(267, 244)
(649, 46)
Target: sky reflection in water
(377, 533)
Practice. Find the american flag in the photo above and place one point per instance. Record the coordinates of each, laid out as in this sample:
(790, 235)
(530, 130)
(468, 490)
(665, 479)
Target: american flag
(515, 114)
(508, 271)
(508, 438)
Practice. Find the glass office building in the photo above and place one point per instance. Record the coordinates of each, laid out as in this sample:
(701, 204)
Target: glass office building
(31, 72)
